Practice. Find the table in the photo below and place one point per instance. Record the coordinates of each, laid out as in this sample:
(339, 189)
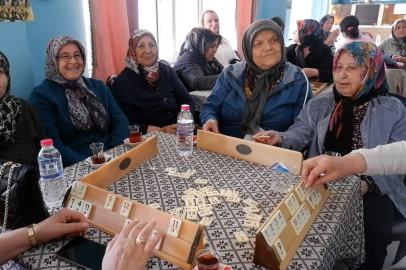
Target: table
(200, 97)
(337, 232)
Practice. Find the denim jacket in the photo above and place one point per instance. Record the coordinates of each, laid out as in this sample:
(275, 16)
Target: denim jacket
(227, 103)
(384, 122)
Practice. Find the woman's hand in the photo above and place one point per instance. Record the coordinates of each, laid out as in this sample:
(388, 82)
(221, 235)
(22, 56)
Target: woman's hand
(123, 252)
(310, 72)
(64, 222)
(211, 126)
(399, 58)
(171, 129)
(268, 137)
(335, 33)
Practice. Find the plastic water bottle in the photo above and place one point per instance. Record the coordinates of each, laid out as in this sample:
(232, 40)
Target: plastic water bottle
(184, 131)
(52, 179)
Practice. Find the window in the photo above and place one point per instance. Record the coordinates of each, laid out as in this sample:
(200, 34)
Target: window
(171, 20)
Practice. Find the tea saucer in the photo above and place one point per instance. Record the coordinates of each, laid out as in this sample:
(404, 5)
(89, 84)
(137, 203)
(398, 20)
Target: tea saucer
(89, 162)
(127, 142)
(221, 267)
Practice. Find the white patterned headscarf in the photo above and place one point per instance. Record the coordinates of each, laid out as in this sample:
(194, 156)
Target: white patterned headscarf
(86, 112)
(10, 108)
(150, 74)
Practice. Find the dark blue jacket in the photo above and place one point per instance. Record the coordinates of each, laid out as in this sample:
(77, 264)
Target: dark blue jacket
(227, 103)
(145, 107)
(50, 100)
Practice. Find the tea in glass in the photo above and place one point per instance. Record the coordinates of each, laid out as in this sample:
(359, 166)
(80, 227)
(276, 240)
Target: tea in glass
(134, 134)
(97, 153)
(207, 259)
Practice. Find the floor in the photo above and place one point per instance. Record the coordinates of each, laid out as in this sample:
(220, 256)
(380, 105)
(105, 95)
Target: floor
(388, 262)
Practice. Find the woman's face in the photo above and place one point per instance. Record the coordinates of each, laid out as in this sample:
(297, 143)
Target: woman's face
(348, 75)
(212, 51)
(70, 62)
(3, 82)
(328, 25)
(211, 21)
(266, 49)
(400, 30)
(146, 51)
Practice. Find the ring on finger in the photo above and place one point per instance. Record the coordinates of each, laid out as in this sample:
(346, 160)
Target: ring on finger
(140, 240)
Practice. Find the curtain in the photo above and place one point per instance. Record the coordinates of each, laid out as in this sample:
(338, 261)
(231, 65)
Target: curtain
(245, 14)
(112, 23)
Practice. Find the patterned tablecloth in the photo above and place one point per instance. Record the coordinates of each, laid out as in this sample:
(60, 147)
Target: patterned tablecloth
(336, 234)
(200, 97)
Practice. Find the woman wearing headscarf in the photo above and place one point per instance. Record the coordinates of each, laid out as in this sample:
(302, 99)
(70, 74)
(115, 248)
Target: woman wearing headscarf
(395, 46)
(356, 113)
(20, 128)
(76, 111)
(148, 91)
(262, 92)
(310, 53)
(326, 24)
(196, 66)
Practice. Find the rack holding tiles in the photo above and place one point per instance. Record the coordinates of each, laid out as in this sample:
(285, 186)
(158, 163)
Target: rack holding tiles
(279, 237)
(110, 212)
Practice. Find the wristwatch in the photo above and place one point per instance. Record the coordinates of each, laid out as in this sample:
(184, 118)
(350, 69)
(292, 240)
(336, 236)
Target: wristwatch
(281, 140)
(31, 235)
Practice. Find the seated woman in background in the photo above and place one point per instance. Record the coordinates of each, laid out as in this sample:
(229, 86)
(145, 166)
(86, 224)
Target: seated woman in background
(196, 66)
(279, 22)
(395, 45)
(225, 54)
(261, 92)
(76, 111)
(148, 91)
(349, 31)
(347, 118)
(326, 23)
(310, 53)
(20, 128)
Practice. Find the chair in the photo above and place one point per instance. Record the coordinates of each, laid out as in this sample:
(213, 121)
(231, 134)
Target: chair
(399, 234)
(399, 266)
(110, 80)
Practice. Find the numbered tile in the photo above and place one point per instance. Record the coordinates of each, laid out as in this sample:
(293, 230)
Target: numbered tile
(206, 221)
(188, 197)
(205, 189)
(109, 203)
(180, 213)
(213, 193)
(310, 200)
(205, 207)
(75, 204)
(296, 225)
(174, 227)
(201, 181)
(126, 208)
(191, 209)
(158, 245)
(205, 213)
(235, 193)
(199, 194)
(78, 190)
(87, 208)
(190, 202)
(251, 224)
(301, 191)
(214, 200)
(280, 249)
(254, 217)
(241, 237)
(233, 199)
(250, 202)
(200, 201)
(189, 191)
(154, 205)
(72, 202)
(173, 212)
(191, 215)
(292, 204)
(270, 234)
(223, 193)
(170, 170)
(251, 209)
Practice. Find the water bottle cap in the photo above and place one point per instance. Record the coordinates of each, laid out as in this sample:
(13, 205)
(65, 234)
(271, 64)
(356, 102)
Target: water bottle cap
(185, 107)
(47, 142)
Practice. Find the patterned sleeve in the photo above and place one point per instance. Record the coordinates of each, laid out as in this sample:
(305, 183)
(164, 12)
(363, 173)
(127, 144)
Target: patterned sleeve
(194, 77)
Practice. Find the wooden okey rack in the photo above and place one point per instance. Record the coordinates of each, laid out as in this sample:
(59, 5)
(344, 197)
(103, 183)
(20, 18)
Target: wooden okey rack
(110, 212)
(279, 237)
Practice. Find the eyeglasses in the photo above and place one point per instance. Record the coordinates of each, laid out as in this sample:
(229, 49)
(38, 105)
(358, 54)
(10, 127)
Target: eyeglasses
(66, 58)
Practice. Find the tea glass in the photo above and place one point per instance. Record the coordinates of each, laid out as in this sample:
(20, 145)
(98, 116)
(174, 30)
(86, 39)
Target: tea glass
(97, 153)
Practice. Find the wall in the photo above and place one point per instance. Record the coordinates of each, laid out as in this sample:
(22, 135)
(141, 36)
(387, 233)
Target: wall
(24, 42)
(334, 2)
(268, 9)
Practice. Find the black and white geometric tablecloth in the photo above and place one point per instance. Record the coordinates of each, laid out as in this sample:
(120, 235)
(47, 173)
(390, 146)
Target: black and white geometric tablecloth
(337, 233)
(200, 97)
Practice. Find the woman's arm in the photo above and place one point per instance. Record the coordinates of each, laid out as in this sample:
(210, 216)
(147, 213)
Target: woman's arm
(333, 35)
(193, 75)
(305, 94)
(64, 222)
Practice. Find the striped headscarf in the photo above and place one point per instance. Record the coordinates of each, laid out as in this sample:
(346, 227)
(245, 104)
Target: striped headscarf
(86, 112)
(10, 107)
